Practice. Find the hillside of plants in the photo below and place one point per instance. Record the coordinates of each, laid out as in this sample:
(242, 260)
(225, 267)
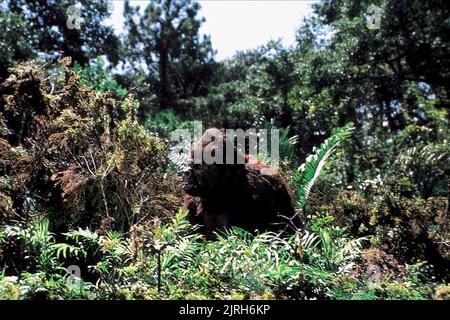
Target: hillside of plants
(90, 191)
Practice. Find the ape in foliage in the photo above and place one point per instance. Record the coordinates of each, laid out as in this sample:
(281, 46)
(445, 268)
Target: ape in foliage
(249, 195)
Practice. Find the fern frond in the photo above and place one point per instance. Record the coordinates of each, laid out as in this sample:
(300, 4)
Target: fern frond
(84, 235)
(431, 155)
(307, 174)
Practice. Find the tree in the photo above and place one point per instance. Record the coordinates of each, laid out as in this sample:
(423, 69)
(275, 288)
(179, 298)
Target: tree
(413, 41)
(47, 30)
(14, 40)
(165, 45)
(391, 82)
(280, 67)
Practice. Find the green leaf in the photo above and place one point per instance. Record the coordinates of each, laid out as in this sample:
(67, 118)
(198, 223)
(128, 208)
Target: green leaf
(307, 174)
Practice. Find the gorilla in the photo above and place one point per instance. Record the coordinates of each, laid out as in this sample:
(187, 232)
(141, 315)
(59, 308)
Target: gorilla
(246, 194)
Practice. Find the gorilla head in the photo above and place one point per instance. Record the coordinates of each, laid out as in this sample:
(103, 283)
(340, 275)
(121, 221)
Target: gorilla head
(207, 169)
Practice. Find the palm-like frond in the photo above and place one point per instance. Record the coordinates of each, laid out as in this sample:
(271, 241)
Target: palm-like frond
(306, 175)
(431, 155)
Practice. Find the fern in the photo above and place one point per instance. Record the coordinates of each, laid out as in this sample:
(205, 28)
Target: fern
(39, 244)
(431, 155)
(286, 145)
(84, 235)
(65, 250)
(307, 174)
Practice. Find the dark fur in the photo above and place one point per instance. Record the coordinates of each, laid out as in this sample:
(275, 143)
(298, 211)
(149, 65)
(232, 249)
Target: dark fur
(251, 196)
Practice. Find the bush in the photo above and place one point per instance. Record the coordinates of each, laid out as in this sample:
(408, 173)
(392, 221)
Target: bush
(78, 156)
(171, 261)
(408, 228)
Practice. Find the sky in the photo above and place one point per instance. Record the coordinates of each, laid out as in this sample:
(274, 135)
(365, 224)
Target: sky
(236, 25)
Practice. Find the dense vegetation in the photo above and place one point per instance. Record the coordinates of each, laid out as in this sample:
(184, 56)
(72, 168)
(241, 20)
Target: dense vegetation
(87, 176)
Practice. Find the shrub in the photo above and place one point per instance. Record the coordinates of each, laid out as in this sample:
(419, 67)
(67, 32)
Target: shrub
(78, 156)
(408, 228)
(442, 292)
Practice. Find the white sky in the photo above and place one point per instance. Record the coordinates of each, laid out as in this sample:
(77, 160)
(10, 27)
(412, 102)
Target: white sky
(241, 24)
